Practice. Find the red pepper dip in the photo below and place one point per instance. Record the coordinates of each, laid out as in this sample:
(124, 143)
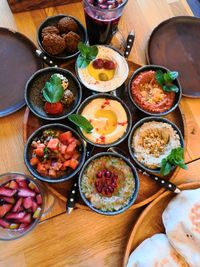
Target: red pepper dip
(149, 95)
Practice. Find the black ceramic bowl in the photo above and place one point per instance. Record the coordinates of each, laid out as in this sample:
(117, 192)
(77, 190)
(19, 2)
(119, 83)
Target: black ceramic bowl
(107, 96)
(52, 21)
(154, 68)
(38, 133)
(134, 193)
(33, 94)
(139, 124)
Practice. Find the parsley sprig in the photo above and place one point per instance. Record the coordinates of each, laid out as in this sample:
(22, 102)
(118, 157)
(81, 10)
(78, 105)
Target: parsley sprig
(175, 158)
(87, 54)
(81, 122)
(53, 89)
(166, 80)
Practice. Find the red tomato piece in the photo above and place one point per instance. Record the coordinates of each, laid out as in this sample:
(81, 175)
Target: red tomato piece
(64, 137)
(73, 163)
(53, 108)
(39, 151)
(34, 161)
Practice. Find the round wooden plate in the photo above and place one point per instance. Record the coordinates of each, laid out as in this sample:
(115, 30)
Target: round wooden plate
(174, 43)
(149, 189)
(150, 221)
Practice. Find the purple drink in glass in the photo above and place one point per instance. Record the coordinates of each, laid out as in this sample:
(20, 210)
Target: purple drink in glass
(102, 18)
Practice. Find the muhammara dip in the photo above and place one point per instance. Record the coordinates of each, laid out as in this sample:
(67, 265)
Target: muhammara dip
(153, 141)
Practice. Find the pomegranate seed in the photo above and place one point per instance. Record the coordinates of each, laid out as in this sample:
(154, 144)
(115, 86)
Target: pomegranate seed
(114, 185)
(99, 174)
(111, 189)
(109, 65)
(107, 174)
(98, 63)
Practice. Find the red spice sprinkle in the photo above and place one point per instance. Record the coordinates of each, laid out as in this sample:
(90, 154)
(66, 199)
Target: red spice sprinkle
(107, 102)
(103, 138)
(90, 120)
(122, 123)
(97, 129)
(102, 106)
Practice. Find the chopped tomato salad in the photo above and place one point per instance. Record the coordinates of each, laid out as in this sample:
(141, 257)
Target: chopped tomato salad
(55, 153)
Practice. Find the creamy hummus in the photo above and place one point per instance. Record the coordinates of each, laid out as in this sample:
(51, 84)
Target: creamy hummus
(125, 184)
(109, 119)
(153, 141)
(149, 95)
(116, 79)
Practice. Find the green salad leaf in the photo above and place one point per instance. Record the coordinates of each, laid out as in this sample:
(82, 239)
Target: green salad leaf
(175, 158)
(166, 80)
(81, 122)
(53, 90)
(87, 54)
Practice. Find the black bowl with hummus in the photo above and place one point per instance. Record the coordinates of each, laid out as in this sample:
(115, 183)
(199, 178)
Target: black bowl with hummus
(151, 140)
(72, 94)
(148, 96)
(108, 183)
(110, 117)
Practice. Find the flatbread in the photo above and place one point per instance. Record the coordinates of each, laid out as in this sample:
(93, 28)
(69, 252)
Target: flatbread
(155, 251)
(181, 219)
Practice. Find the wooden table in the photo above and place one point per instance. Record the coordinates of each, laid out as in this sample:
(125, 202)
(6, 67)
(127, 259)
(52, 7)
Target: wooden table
(85, 238)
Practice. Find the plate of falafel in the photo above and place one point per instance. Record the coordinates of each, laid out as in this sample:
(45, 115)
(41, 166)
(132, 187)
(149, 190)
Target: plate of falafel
(58, 36)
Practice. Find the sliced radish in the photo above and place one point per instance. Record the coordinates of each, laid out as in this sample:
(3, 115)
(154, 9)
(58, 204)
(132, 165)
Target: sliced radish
(4, 223)
(5, 209)
(7, 192)
(15, 215)
(34, 206)
(25, 192)
(39, 199)
(18, 205)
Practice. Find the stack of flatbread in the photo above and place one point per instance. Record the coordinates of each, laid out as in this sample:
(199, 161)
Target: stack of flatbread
(180, 246)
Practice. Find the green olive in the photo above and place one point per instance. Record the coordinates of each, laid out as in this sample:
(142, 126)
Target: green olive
(103, 77)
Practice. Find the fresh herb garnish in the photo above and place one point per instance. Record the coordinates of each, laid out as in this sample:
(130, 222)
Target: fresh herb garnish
(87, 54)
(46, 152)
(166, 80)
(175, 158)
(81, 122)
(53, 90)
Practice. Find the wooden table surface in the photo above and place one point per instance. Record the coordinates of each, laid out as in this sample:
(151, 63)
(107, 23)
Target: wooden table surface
(85, 238)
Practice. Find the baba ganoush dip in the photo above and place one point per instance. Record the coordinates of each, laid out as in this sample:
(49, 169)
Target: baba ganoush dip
(149, 95)
(108, 183)
(153, 141)
(108, 118)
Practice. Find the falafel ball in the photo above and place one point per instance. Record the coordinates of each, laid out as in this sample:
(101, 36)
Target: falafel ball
(67, 24)
(54, 44)
(71, 40)
(49, 29)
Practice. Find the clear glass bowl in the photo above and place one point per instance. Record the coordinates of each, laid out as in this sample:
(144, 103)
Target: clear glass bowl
(9, 234)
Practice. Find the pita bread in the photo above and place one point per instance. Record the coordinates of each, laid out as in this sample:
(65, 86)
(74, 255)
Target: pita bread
(181, 219)
(155, 251)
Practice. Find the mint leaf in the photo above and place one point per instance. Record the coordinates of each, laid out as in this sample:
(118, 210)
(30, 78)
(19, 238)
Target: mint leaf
(167, 77)
(81, 122)
(87, 54)
(82, 62)
(159, 77)
(53, 90)
(175, 158)
(165, 167)
(173, 74)
(170, 88)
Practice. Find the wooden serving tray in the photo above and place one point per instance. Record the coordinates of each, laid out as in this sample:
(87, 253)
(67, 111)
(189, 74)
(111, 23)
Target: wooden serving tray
(150, 221)
(149, 189)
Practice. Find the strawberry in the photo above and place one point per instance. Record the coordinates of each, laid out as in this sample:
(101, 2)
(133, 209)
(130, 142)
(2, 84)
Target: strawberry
(23, 226)
(26, 219)
(53, 108)
(34, 206)
(25, 192)
(22, 183)
(18, 205)
(16, 215)
(7, 192)
(4, 223)
(4, 209)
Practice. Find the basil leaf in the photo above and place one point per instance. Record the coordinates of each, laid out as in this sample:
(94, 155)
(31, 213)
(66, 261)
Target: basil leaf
(93, 52)
(81, 122)
(159, 77)
(82, 62)
(167, 78)
(174, 88)
(55, 80)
